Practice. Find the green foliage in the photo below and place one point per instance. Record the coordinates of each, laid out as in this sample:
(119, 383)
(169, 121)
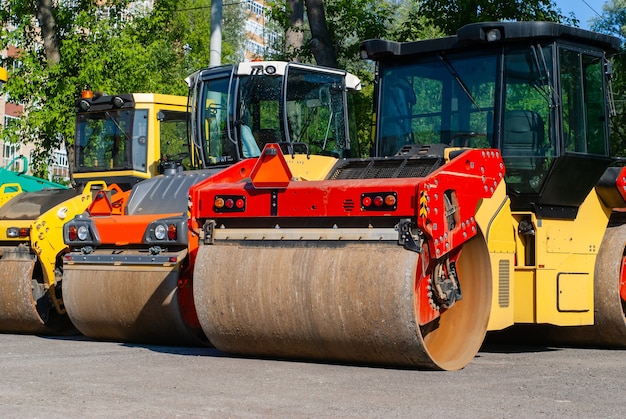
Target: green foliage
(410, 24)
(349, 22)
(152, 52)
(613, 22)
(450, 15)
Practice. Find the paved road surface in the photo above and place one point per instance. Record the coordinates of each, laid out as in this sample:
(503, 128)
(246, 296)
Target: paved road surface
(76, 377)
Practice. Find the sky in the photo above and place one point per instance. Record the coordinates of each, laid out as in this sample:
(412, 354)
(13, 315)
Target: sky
(581, 9)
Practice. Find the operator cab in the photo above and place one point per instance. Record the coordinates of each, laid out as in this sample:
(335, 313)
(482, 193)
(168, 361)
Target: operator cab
(127, 138)
(538, 91)
(236, 110)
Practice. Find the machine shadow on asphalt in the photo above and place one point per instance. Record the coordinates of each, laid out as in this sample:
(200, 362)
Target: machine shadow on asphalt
(498, 348)
(490, 346)
(174, 350)
(180, 350)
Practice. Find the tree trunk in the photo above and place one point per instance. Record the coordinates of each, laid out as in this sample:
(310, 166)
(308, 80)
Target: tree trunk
(294, 37)
(48, 27)
(321, 46)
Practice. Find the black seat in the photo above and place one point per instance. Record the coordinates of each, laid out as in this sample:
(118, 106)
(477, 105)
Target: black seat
(523, 135)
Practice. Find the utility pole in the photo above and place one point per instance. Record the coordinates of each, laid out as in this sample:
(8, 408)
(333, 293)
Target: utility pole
(215, 55)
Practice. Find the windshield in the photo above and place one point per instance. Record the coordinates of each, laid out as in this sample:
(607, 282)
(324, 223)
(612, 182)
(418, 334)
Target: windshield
(173, 138)
(447, 99)
(239, 128)
(111, 140)
(216, 140)
(259, 113)
(316, 111)
(238, 117)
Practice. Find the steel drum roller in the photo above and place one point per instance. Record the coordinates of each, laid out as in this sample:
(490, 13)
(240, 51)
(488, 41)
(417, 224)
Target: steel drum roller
(18, 312)
(129, 304)
(332, 300)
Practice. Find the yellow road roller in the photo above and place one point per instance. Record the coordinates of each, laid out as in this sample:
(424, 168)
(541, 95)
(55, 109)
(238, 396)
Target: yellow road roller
(122, 139)
(489, 205)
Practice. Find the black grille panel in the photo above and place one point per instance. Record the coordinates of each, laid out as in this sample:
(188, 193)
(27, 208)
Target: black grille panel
(386, 168)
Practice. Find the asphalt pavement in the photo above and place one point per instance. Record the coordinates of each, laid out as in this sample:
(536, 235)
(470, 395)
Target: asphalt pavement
(43, 377)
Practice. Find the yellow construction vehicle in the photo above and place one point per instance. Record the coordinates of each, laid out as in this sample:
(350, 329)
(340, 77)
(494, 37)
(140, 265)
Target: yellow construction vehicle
(4, 75)
(120, 139)
(489, 205)
(129, 277)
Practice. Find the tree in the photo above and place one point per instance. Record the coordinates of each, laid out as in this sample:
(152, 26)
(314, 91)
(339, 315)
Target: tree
(613, 22)
(120, 48)
(330, 31)
(321, 43)
(410, 24)
(450, 15)
(294, 30)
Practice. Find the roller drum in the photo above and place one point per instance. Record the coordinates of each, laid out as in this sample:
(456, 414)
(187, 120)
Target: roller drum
(18, 309)
(127, 304)
(25, 303)
(336, 301)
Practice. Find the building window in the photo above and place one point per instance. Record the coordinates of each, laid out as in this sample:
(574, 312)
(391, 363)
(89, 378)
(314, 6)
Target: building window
(8, 120)
(9, 152)
(255, 48)
(59, 167)
(255, 8)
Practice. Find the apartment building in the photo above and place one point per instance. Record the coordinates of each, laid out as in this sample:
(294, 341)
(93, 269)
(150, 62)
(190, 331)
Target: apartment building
(260, 38)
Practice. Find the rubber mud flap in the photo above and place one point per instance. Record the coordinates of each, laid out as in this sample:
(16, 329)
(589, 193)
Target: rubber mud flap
(135, 304)
(336, 301)
(18, 311)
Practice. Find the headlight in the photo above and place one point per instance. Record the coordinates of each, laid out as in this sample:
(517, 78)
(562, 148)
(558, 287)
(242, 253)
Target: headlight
(15, 232)
(167, 231)
(82, 233)
(160, 232)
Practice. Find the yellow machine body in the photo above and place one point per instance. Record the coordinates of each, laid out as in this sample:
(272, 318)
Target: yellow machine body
(46, 232)
(558, 288)
(546, 277)
(304, 167)
(8, 191)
